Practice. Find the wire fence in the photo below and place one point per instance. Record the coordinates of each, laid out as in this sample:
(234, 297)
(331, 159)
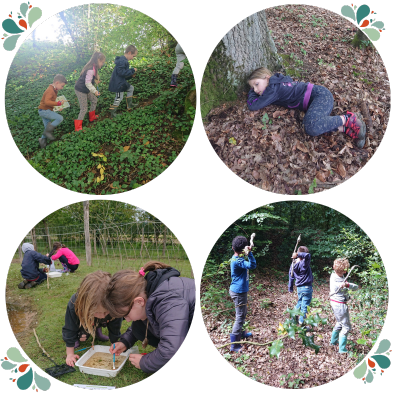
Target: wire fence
(111, 243)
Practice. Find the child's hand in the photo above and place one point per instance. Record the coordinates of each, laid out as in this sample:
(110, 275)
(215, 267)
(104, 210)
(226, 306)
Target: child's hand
(97, 93)
(294, 255)
(71, 360)
(47, 254)
(135, 360)
(62, 102)
(45, 269)
(83, 338)
(119, 348)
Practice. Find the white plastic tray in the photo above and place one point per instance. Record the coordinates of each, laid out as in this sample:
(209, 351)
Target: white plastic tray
(102, 372)
(54, 274)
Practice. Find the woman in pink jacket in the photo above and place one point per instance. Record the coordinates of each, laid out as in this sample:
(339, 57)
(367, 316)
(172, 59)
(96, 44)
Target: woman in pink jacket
(68, 259)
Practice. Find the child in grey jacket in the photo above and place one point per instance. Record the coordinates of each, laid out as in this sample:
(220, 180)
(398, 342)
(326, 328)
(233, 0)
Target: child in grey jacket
(339, 297)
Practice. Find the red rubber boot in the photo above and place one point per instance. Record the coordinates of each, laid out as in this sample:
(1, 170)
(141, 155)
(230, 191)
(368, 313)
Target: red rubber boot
(78, 125)
(92, 116)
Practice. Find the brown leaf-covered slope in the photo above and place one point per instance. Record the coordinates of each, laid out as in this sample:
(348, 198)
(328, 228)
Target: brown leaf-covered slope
(295, 358)
(315, 44)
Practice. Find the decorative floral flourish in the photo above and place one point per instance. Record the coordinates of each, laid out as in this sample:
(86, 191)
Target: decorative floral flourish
(368, 368)
(32, 14)
(14, 357)
(362, 16)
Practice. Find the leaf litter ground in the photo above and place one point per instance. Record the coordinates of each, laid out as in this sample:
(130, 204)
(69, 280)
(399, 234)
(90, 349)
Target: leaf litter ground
(315, 46)
(255, 361)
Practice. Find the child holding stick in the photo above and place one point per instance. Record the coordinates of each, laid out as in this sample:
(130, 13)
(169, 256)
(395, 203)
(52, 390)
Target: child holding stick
(339, 297)
(303, 276)
(68, 259)
(86, 316)
(31, 273)
(315, 100)
(239, 288)
(49, 117)
(85, 89)
(160, 305)
(118, 82)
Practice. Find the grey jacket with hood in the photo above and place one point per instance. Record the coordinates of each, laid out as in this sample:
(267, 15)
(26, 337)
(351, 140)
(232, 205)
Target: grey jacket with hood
(169, 309)
(343, 294)
(30, 264)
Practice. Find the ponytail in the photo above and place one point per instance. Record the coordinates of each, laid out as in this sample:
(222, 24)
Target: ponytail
(56, 246)
(94, 61)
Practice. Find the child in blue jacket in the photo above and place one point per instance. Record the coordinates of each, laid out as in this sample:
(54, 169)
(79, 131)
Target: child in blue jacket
(303, 276)
(239, 287)
(31, 273)
(118, 82)
(315, 100)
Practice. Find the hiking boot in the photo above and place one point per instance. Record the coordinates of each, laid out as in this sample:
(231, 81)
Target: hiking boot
(30, 285)
(43, 143)
(130, 104)
(22, 284)
(355, 128)
(92, 116)
(48, 131)
(173, 80)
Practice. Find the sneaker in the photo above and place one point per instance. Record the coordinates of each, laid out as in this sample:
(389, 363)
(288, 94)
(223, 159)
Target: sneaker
(355, 128)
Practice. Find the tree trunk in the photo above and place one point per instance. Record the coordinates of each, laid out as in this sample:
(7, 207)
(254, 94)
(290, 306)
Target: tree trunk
(21, 256)
(164, 241)
(33, 234)
(88, 246)
(246, 47)
(46, 230)
(73, 37)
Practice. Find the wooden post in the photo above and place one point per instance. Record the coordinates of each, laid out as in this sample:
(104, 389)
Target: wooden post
(164, 241)
(46, 229)
(141, 247)
(33, 234)
(88, 246)
(21, 257)
(94, 242)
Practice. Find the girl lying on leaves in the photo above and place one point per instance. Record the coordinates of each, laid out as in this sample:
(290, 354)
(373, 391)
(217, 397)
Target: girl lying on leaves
(315, 100)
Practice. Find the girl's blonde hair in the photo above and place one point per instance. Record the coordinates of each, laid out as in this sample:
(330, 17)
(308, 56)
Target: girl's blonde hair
(341, 265)
(259, 73)
(89, 296)
(96, 57)
(125, 286)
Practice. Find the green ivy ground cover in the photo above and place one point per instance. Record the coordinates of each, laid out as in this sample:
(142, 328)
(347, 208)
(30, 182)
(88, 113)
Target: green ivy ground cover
(136, 146)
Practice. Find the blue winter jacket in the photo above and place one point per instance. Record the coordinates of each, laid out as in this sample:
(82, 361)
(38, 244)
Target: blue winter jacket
(240, 273)
(30, 264)
(121, 72)
(281, 91)
(302, 273)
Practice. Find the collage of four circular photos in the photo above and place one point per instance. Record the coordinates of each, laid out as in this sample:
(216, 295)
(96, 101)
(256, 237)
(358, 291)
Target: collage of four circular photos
(290, 105)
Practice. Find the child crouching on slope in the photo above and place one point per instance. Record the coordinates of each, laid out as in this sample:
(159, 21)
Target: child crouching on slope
(315, 100)
(339, 297)
(239, 288)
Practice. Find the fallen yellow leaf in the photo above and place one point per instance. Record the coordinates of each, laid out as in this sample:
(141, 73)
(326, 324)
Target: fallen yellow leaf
(126, 148)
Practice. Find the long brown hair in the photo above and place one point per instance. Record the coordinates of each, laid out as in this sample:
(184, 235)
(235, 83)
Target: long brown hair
(89, 296)
(125, 286)
(56, 246)
(96, 57)
(259, 73)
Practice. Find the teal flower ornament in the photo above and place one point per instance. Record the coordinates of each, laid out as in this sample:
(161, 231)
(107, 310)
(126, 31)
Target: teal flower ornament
(19, 26)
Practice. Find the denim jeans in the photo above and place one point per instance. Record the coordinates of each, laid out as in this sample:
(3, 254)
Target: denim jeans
(241, 311)
(48, 116)
(304, 294)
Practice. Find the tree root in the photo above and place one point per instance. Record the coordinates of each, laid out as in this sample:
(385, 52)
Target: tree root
(255, 343)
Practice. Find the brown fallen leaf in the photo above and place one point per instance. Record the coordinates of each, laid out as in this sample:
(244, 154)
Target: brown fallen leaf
(320, 175)
(256, 174)
(279, 113)
(341, 170)
(300, 146)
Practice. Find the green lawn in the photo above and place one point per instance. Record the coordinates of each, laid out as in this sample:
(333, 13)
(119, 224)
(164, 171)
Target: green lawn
(50, 305)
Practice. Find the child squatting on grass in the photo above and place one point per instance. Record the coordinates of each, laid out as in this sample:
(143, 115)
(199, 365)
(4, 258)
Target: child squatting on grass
(339, 303)
(31, 273)
(49, 117)
(160, 305)
(86, 316)
(239, 288)
(85, 89)
(118, 82)
(303, 276)
(68, 259)
(315, 100)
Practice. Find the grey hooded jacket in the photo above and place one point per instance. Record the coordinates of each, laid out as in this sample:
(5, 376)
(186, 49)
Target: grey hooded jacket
(343, 294)
(169, 311)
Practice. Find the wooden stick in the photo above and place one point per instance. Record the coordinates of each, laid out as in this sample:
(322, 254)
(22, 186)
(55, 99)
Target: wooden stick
(48, 287)
(255, 343)
(37, 339)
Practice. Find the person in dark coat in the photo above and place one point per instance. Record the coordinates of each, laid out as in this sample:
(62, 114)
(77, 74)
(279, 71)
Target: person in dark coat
(31, 273)
(86, 316)
(160, 305)
(118, 82)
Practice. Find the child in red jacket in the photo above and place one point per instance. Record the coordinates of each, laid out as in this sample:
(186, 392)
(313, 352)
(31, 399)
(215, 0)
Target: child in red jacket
(68, 259)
